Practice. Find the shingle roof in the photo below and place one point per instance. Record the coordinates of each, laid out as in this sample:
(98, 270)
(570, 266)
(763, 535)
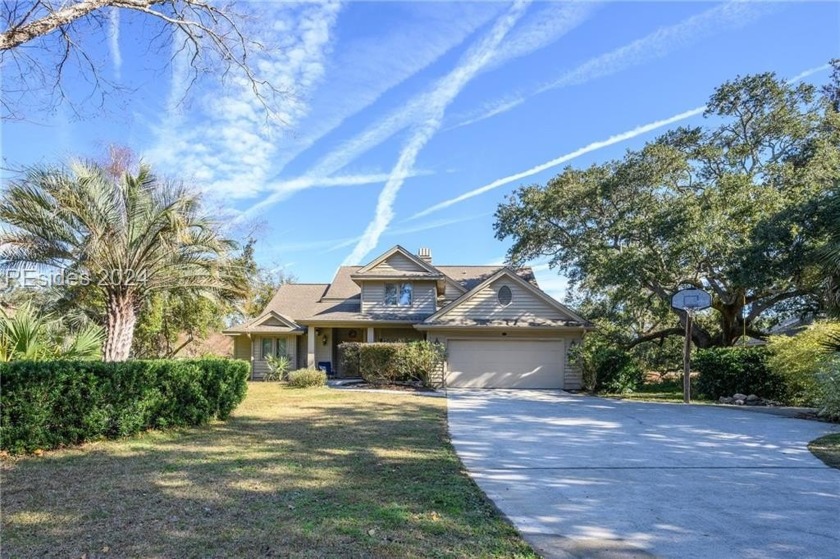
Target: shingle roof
(292, 300)
(342, 286)
(470, 276)
(248, 327)
(506, 323)
(341, 299)
(296, 300)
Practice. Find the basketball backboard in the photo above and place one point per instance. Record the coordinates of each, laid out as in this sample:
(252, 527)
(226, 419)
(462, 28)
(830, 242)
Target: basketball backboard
(691, 300)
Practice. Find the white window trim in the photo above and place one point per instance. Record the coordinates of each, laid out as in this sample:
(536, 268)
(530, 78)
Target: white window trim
(499, 296)
(398, 288)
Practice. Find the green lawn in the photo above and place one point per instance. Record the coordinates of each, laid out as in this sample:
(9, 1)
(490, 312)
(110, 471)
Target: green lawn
(827, 449)
(656, 397)
(294, 473)
(660, 392)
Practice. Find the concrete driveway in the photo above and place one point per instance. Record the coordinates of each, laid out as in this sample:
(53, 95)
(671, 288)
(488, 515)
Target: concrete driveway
(590, 477)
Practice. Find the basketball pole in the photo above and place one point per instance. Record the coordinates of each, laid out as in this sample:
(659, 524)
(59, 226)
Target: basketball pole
(689, 301)
(687, 358)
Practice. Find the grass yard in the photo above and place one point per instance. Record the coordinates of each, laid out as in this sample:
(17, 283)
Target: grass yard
(649, 396)
(294, 473)
(827, 449)
(659, 392)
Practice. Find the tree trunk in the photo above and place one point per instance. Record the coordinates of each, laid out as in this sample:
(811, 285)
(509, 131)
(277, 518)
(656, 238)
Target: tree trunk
(731, 323)
(119, 326)
(701, 338)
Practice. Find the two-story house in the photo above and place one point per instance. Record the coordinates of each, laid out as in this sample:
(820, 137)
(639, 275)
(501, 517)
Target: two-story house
(500, 329)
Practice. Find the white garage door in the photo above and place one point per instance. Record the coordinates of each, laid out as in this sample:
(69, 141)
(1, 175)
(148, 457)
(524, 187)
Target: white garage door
(505, 364)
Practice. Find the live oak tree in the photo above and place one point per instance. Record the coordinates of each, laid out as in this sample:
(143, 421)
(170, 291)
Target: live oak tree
(48, 48)
(127, 237)
(727, 207)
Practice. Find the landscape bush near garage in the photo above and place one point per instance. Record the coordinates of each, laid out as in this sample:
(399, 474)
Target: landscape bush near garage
(49, 404)
(390, 362)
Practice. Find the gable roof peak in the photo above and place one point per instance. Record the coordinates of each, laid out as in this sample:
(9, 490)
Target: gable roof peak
(506, 271)
(398, 249)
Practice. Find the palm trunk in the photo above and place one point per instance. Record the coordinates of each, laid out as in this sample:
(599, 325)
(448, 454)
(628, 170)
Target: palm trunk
(119, 326)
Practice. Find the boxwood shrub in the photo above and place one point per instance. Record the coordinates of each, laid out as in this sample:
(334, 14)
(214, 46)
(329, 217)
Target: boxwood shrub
(725, 371)
(307, 378)
(48, 404)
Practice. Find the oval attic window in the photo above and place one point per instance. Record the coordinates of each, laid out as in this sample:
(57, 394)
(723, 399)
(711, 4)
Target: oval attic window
(505, 296)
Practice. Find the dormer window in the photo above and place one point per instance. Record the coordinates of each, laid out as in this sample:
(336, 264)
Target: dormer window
(398, 294)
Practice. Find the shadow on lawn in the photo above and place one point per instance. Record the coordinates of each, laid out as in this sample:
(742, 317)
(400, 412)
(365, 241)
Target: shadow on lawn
(291, 474)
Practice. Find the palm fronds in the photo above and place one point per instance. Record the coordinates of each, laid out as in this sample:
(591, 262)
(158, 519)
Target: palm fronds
(130, 235)
(27, 335)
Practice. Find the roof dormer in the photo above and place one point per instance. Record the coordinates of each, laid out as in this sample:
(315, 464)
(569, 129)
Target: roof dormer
(398, 263)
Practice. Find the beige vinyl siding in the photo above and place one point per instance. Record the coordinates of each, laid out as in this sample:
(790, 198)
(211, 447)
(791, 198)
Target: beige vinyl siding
(423, 299)
(372, 293)
(485, 304)
(260, 366)
(451, 293)
(396, 264)
(397, 334)
(242, 347)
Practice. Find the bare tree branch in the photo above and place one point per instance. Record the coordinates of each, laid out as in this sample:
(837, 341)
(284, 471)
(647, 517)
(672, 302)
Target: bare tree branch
(211, 35)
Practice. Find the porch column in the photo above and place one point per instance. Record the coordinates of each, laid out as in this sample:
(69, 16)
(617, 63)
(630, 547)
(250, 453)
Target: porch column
(310, 348)
(370, 337)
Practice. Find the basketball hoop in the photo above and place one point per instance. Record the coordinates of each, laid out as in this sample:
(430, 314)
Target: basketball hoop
(690, 301)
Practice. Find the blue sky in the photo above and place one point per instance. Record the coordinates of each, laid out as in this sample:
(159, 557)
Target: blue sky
(410, 122)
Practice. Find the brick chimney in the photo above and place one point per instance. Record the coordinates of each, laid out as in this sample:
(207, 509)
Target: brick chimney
(425, 255)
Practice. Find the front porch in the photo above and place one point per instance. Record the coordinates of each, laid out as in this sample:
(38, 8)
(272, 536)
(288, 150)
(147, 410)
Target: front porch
(322, 341)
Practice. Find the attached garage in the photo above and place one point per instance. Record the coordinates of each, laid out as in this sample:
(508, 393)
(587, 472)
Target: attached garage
(505, 363)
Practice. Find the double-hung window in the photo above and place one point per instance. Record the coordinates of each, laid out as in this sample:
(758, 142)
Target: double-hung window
(398, 294)
(274, 347)
(280, 348)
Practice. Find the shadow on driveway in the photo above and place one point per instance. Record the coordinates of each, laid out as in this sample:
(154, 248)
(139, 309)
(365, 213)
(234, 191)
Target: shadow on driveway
(588, 477)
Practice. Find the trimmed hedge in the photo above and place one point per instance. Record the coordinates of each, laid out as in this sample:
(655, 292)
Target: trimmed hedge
(378, 362)
(389, 362)
(307, 378)
(348, 358)
(725, 371)
(48, 404)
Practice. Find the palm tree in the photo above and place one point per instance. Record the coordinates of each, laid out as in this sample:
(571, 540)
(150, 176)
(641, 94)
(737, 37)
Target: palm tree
(124, 236)
(26, 335)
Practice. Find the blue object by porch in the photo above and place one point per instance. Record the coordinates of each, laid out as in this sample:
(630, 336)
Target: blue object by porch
(325, 366)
